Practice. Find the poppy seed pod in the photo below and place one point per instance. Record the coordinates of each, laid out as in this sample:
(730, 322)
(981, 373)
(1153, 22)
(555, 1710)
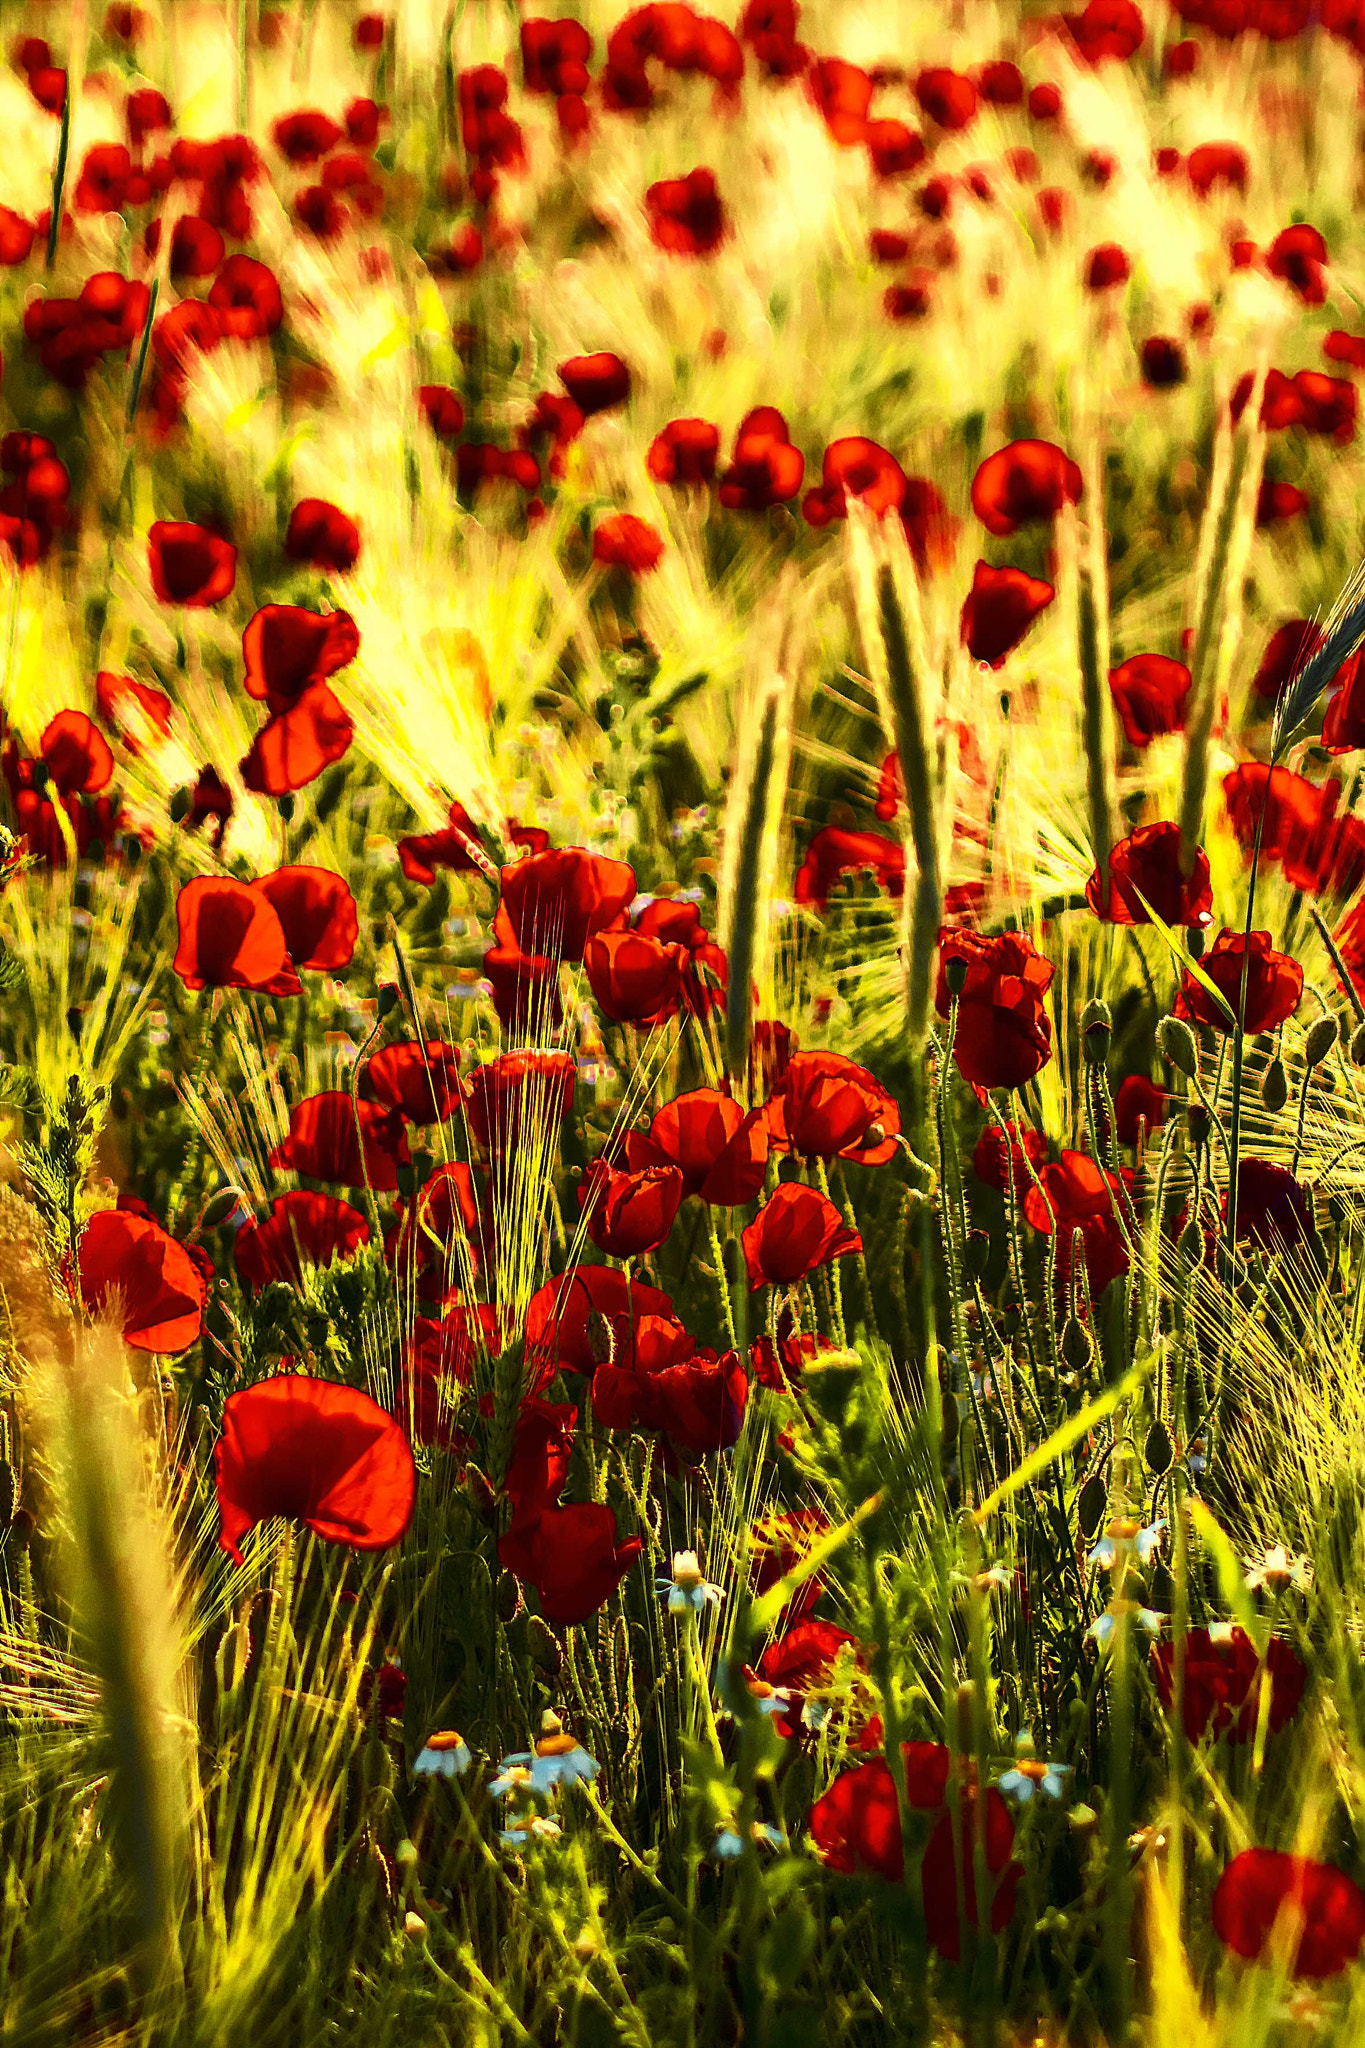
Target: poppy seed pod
(1179, 1046)
(1274, 1086)
(1097, 1028)
(955, 975)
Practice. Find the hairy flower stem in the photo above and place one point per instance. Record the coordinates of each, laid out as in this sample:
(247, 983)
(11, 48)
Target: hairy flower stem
(1097, 709)
(748, 813)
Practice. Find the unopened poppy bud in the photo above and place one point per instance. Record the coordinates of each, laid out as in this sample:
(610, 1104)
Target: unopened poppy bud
(955, 975)
(41, 774)
(287, 807)
(1077, 1346)
(219, 1207)
(406, 1854)
(978, 1252)
(507, 1599)
(586, 1946)
(1192, 1243)
(414, 1929)
(481, 1494)
(387, 999)
(1358, 1046)
(1179, 1045)
(601, 1338)
(1097, 1016)
(875, 1134)
(179, 806)
(1274, 1086)
(1321, 1038)
(546, 1654)
(1198, 1120)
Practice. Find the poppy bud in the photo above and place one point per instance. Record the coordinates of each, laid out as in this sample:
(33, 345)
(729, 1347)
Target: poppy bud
(481, 1494)
(875, 1134)
(1358, 1046)
(1091, 1503)
(1179, 1046)
(978, 1249)
(955, 975)
(414, 1928)
(1097, 1026)
(287, 807)
(1157, 1450)
(1192, 1242)
(387, 999)
(1320, 1040)
(179, 806)
(546, 1654)
(219, 1207)
(1199, 1121)
(1077, 1345)
(507, 1599)
(1274, 1086)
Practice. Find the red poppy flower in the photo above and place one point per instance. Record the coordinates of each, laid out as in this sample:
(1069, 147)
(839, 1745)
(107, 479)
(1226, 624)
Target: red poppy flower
(209, 798)
(443, 410)
(321, 534)
(76, 755)
(554, 56)
(1001, 606)
(1341, 347)
(160, 1290)
(947, 98)
(1025, 482)
(842, 93)
(103, 179)
(634, 978)
(444, 1230)
(331, 1138)
(1300, 826)
(542, 1444)
(555, 901)
(766, 470)
(1107, 29)
(1217, 163)
(1343, 726)
(1323, 1906)
(686, 216)
(1222, 1689)
(796, 1230)
(684, 453)
(1274, 1210)
(825, 1107)
(1106, 266)
(573, 1558)
(520, 1099)
(17, 237)
(303, 1228)
(1004, 1036)
(316, 1453)
(137, 713)
(1163, 362)
(562, 1320)
(1298, 256)
(1002, 1152)
(1289, 647)
(292, 749)
(525, 989)
(420, 854)
(856, 1824)
(1274, 984)
(595, 383)
(625, 542)
(189, 565)
(799, 1662)
(1138, 1102)
(422, 1082)
(369, 32)
(1074, 1194)
(834, 852)
(942, 1858)
(318, 913)
(230, 935)
(1329, 405)
(856, 467)
(720, 1149)
(629, 1214)
(363, 119)
(1277, 501)
(287, 648)
(247, 297)
(1147, 866)
(305, 137)
(1001, 83)
(692, 1398)
(1150, 692)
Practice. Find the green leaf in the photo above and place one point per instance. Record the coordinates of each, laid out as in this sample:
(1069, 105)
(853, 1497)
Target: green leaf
(1190, 966)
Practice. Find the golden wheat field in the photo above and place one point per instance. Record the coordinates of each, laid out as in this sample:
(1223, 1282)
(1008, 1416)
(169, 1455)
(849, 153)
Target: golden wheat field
(682, 1024)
